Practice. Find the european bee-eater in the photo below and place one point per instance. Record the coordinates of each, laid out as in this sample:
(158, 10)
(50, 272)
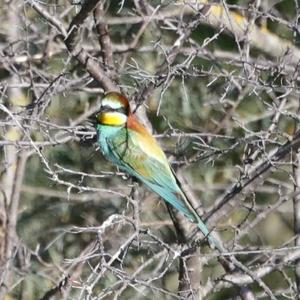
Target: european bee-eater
(129, 145)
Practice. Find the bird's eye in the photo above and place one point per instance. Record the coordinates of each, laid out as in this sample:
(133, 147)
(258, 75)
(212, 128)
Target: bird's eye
(105, 108)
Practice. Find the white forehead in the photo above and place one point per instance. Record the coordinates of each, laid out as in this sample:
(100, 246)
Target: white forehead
(110, 103)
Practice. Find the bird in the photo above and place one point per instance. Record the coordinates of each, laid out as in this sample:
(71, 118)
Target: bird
(126, 142)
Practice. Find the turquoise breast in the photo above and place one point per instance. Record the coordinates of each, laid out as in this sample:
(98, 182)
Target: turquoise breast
(104, 134)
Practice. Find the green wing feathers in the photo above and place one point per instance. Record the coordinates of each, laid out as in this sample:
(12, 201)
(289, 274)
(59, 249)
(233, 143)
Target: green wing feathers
(134, 154)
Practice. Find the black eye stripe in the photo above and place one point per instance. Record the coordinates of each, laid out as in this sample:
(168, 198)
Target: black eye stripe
(122, 110)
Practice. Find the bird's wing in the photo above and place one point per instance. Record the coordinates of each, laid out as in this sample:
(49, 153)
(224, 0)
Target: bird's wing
(141, 156)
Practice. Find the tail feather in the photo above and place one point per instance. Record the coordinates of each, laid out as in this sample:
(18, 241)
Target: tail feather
(208, 235)
(192, 214)
(180, 201)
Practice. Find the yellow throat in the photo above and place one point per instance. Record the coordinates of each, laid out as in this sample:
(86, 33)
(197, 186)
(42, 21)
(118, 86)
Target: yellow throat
(112, 118)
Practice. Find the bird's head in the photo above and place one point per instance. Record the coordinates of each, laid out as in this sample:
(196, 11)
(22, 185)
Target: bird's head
(114, 110)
